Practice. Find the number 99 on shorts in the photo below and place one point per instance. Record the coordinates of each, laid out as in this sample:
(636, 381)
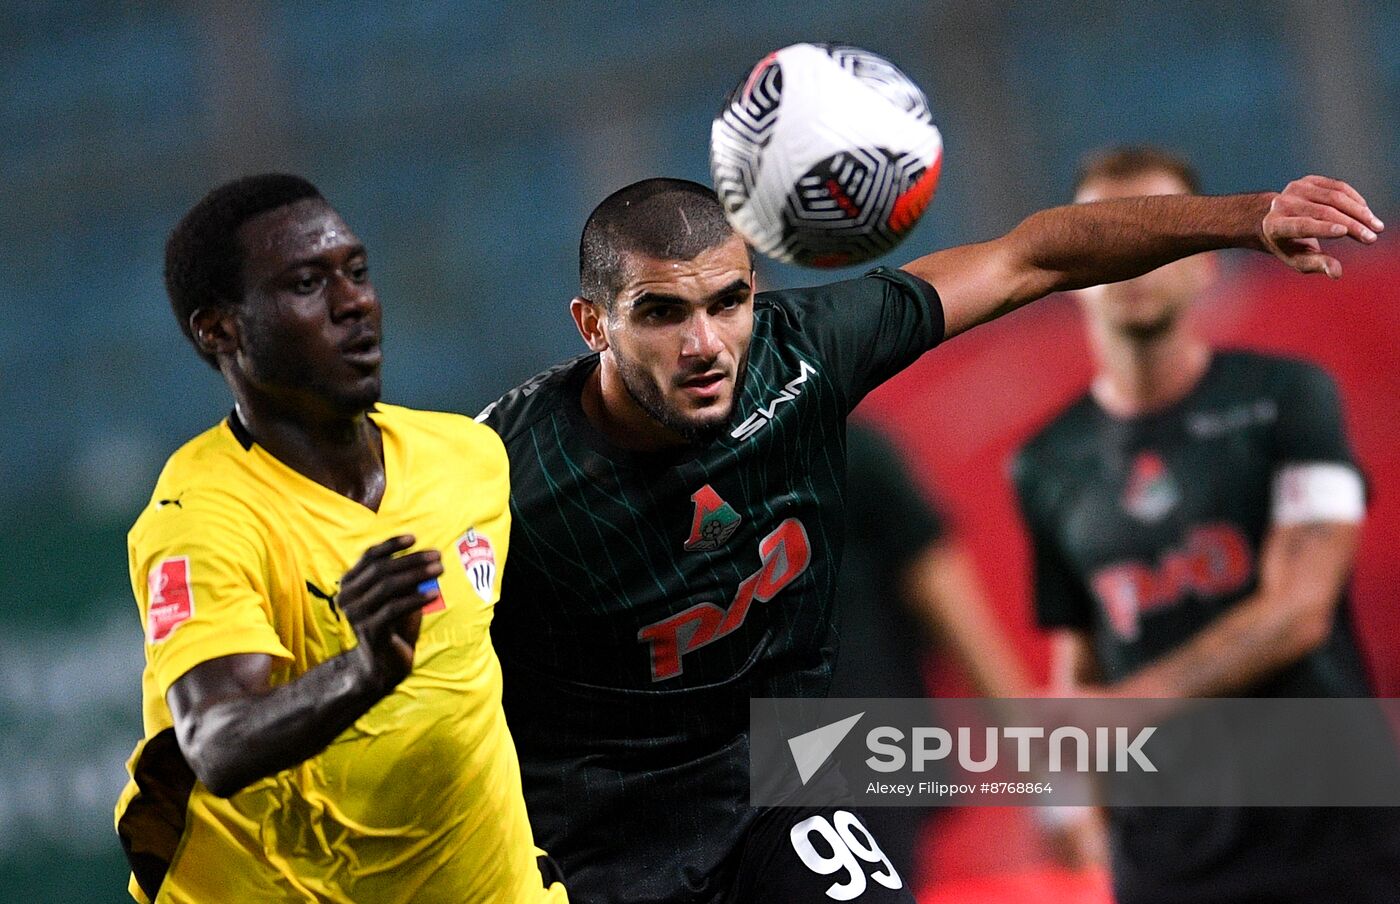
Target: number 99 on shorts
(854, 856)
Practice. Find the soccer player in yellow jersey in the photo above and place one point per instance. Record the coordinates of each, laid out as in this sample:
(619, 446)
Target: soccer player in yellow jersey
(316, 577)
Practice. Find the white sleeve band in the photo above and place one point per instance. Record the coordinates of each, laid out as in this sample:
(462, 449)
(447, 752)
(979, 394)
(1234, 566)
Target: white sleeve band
(1318, 491)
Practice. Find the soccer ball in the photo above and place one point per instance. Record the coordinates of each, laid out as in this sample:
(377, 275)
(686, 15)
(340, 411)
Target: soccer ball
(825, 155)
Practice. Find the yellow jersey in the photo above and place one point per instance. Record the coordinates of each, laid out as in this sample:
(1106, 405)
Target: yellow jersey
(420, 799)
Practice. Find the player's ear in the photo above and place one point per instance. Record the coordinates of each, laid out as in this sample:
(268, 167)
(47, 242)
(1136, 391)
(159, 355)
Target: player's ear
(215, 329)
(588, 317)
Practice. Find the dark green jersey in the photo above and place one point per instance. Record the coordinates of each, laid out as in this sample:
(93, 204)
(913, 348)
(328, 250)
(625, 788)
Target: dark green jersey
(650, 596)
(1147, 529)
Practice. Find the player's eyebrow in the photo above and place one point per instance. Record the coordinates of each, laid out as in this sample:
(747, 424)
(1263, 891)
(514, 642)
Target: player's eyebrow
(737, 287)
(321, 259)
(656, 298)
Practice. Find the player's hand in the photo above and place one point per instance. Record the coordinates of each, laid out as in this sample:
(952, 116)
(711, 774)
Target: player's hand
(380, 596)
(1075, 836)
(1314, 208)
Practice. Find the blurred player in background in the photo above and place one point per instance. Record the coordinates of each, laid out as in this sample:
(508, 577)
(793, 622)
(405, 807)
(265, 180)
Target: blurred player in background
(907, 586)
(1238, 464)
(679, 502)
(316, 576)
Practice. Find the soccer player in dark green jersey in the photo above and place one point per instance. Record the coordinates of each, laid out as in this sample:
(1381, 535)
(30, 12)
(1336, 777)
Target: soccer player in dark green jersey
(678, 501)
(1195, 516)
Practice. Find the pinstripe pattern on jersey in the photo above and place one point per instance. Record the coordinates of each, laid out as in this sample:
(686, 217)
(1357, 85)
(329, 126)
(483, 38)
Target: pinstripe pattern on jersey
(642, 782)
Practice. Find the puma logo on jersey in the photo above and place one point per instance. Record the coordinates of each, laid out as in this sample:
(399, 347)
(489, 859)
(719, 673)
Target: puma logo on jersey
(756, 421)
(323, 595)
(785, 554)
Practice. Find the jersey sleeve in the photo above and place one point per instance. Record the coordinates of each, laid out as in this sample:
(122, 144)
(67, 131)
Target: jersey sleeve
(892, 514)
(1315, 477)
(200, 581)
(869, 329)
(1310, 426)
(1060, 597)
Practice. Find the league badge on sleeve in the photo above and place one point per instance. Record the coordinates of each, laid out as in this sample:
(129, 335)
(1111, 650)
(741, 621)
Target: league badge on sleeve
(479, 560)
(171, 598)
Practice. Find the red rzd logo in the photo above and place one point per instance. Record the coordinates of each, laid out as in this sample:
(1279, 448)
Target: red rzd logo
(785, 554)
(1214, 560)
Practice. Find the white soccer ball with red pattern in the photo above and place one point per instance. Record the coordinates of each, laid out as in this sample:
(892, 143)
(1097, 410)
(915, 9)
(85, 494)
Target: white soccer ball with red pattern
(825, 155)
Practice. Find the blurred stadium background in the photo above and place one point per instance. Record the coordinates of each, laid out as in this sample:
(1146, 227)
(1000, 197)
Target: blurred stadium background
(466, 142)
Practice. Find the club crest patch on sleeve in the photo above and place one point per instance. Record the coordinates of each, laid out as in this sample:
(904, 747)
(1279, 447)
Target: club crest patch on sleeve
(479, 560)
(171, 597)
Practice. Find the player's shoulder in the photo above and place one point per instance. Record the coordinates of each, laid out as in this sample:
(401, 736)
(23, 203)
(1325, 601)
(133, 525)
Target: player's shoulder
(210, 463)
(798, 302)
(445, 428)
(841, 316)
(514, 413)
(204, 482)
(1287, 378)
(1059, 452)
(1058, 439)
(1265, 365)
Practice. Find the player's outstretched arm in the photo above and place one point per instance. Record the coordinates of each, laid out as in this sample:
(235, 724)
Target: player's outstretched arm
(234, 728)
(1090, 244)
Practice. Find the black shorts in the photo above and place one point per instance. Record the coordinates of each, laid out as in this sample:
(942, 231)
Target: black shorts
(1255, 855)
(814, 855)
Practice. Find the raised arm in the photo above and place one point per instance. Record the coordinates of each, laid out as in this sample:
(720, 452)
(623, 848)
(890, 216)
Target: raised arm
(235, 728)
(1090, 244)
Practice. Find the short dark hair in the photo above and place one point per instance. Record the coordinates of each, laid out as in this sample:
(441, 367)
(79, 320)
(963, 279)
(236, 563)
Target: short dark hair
(1127, 161)
(668, 219)
(203, 257)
